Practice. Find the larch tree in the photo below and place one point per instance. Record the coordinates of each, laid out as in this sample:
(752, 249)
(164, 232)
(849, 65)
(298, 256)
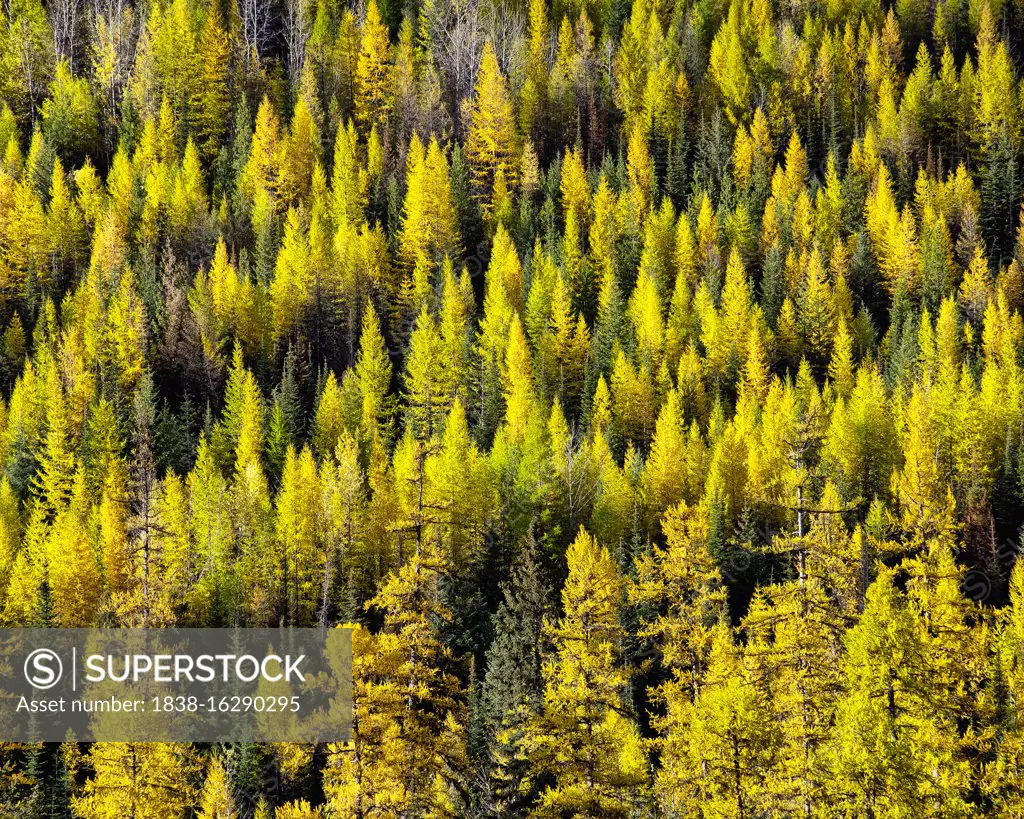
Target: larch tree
(584, 739)
(373, 376)
(373, 79)
(429, 221)
(148, 781)
(211, 104)
(719, 750)
(492, 144)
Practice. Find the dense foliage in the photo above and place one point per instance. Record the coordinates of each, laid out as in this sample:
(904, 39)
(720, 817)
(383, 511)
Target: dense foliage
(644, 382)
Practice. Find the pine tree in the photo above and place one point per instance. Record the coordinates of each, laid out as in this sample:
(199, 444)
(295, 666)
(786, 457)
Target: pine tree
(665, 470)
(429, 229)
(926, 501)
(513, 685)
(1002, 775)
(297, 527)
(260, 171)
(66, 226)
(426, 391)
(794, 628)
(728, 65)
(518, 380)
(680, 589)
(885, 755)
(53, 482)
(299, 154)
(291, 290)
(816, 315)
(460, 491)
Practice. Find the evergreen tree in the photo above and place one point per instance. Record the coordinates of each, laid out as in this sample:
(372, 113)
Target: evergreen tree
(513, 685)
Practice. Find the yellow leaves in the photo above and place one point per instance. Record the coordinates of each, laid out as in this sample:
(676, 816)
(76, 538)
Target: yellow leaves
(373, 373)
(460, 489)
(707, 234)
(299, 154)
(217, 801)
(349, 181)
(719, 749)
(634, 401)
(753, 151)
(756, 374)
(593, 754)
(645, 313)
(888, 116)
(374, 83)
(142, 780)
(261, 171)
(90, 191)
(126, 332)
(817, 311)
(640, 172)
(665, 470)
(925, 498)
(291, 289)
(406, 712)
(73, 572)
(298, 526)
(518, 380)
(211, 104)
(575, 187)
(727, 63)
(492, 146)
(603, 229)
(617, 766)
(665, 95)
(796, 167)
(236, 303)
(840, 368)
(725, 331)
(188, 203)
(429, 230)
(683, 577)
(560, 334)
(975, 286)
(994, 98)
(425, 393)
(894, 238)
(23, 238)
(298, 809)
(737, 300)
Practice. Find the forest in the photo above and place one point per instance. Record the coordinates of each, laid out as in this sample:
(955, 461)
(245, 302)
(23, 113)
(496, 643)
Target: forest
(642, 382)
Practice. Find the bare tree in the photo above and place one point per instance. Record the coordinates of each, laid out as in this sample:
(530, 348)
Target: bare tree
(456, 34)
(579, 472)
(34, 60)
(257, 26)
(115, 34)
(64, 16)
(296, 31)
(505, 25)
